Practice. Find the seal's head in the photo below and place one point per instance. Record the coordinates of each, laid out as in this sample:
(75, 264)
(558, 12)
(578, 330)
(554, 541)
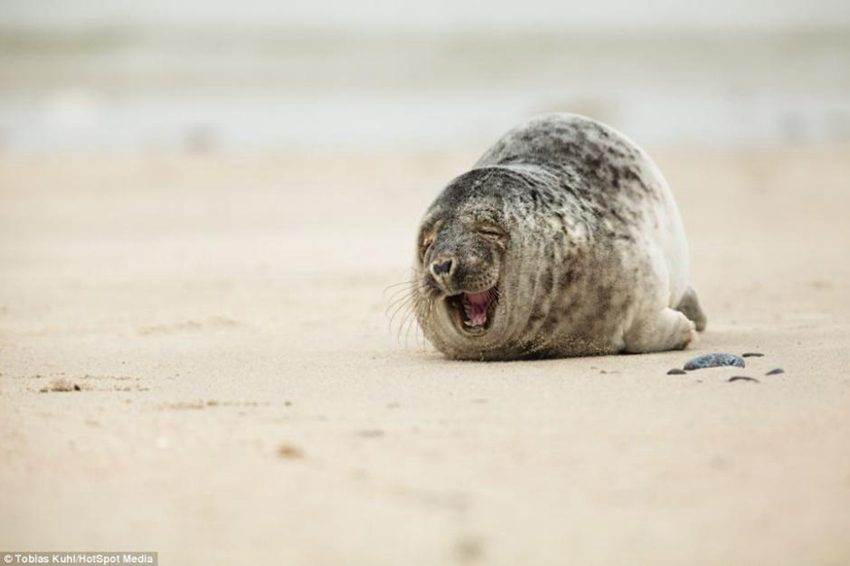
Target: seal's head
(461, 286)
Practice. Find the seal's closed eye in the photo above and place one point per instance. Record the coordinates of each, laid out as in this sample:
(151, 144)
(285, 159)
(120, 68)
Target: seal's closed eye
(489, 231)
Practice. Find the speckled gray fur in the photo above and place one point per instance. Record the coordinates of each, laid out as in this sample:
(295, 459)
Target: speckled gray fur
(589, 257)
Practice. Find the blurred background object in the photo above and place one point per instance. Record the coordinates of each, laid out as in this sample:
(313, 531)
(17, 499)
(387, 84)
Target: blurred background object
(263, 74)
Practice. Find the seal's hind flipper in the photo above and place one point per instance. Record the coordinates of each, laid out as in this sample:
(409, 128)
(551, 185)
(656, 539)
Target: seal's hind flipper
(689, 306)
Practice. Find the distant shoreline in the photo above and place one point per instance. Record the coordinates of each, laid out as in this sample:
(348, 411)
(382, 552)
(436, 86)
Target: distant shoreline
(141, 88)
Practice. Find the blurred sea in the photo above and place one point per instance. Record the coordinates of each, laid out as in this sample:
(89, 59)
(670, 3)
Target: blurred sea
(100, 86)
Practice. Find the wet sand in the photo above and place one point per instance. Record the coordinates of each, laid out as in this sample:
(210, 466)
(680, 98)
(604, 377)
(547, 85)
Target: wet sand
(195, 359)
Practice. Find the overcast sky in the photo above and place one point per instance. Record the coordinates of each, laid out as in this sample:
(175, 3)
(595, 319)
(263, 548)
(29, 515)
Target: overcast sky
(431, 15)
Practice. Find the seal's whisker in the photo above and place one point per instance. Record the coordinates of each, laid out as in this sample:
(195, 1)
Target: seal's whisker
(411, 313)
(404, 321)
(399, 298)
(407, 332)
(415, 325)
(425, 311)
(398, 295)
(408, 291)
(394, 285)
(393, 306)
(399, 283)
(408, 308)
(406, 288)
(403, 309)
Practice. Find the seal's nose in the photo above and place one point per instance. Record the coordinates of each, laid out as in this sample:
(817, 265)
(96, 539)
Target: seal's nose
(441, 266)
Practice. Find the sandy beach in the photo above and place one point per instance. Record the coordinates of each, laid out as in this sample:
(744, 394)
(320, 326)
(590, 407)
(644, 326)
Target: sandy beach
(195, 359)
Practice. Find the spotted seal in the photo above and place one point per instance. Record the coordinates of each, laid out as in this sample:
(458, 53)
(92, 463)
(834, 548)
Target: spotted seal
(562, 240)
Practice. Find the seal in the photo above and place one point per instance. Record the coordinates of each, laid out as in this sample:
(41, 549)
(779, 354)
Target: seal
(562, 240)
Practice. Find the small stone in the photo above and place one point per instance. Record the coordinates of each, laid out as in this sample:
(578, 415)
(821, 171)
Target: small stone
(676, 371)
(752, 355)
(742, 378)
(715, 360)
(290, 452)
(776, 371)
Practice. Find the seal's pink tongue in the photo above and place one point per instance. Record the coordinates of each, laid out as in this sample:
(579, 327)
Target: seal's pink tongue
(476, 305)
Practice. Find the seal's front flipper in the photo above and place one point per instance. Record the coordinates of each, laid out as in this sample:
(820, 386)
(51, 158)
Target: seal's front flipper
(663, 330)
(689, 306)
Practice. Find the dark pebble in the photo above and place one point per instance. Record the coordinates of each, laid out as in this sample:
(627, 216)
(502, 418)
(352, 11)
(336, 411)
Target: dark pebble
(742, 378)
(77, 387)
(776, 371)
(752, 355)
(676, 371)
(715, 360)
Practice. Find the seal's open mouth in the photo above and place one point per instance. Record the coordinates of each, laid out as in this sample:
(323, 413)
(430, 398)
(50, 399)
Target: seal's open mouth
(473, 312)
